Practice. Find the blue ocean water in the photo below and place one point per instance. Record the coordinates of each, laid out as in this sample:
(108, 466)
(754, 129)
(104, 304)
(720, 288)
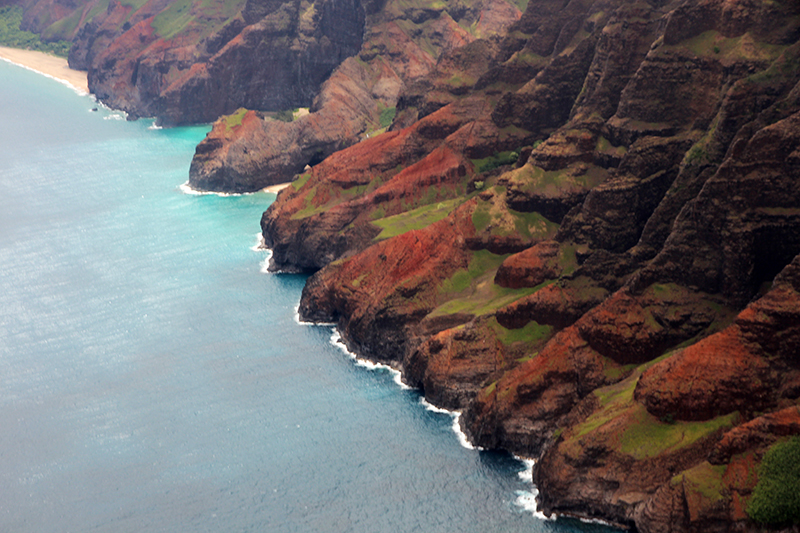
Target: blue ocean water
(153, 378)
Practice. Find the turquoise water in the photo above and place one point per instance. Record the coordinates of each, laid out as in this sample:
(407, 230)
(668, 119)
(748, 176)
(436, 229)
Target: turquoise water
(153, 378)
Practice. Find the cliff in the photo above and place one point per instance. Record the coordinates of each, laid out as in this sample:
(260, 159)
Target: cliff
(191, 62)
(576, 222)
(590, 247)
(403, 42)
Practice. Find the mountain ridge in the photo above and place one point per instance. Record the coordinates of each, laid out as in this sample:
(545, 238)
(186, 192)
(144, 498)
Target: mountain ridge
(575, 221)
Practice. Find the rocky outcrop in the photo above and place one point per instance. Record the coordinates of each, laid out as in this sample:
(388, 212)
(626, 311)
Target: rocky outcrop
(617, 193)
(191, 63)
(578, 224)
(402, 43)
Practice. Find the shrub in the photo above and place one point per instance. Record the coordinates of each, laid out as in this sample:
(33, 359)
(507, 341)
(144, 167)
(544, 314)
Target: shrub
(776, 497)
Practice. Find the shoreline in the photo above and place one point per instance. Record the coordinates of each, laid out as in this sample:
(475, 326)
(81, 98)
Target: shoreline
(47, 65)
(276, 188)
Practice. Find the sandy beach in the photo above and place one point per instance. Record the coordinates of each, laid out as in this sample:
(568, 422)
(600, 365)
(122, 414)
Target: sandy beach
(49, 65)
(276, 188)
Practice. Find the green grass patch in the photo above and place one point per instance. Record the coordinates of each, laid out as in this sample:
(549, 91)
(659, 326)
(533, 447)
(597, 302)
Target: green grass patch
(497, 160)
(533, 332)
(301, 181)
(309, 208)
(203, 16)
(533, 225)
(479, 295)
(287, 115)
(776, 497)
(12, 36)
(419, 218)
(649, 437)
(482, 261)
(705, 480)
(173, 19)
(387, 116)
(235, 119)
(481, 217)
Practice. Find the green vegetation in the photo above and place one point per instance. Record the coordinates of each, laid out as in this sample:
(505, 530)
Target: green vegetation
(300, 181)
(473, 291)
(204, 15)
(648, 437)
(532, 179)
(235, 119)
(533, 332)
(634, 431)
(704, 480)
(776, 497)
(494, 161)
(387, 116)
(173, 19)
(482, 261)
(505, 221)
(287, 115)
(419, 218)
(714, 43)
(11, 35)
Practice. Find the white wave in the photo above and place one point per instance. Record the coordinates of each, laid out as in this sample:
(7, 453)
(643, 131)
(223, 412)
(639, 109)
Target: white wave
(117, 115)
(397, 377)
(155, 126)
(430, 407)
(302, 322)
(526, 474)
(260, 246)
(456, 426)
(78, 90)
(526, 500)
(598, 521)
(187, 189)
(462, 437)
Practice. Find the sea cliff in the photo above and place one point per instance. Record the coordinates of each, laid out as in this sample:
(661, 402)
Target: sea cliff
(590, 249)
(576, 222)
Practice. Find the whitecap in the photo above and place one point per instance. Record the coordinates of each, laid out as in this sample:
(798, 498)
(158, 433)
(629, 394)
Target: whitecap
(188, 189)
(526, 500)
(526, 474)
(397, 377)
(456, 426)
(302, 322)
(260, 245)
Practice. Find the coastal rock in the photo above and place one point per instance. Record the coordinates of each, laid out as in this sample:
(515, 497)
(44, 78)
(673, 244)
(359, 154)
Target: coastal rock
(580, 226)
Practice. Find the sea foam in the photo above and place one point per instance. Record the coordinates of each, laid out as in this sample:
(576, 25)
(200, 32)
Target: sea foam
(188, 189)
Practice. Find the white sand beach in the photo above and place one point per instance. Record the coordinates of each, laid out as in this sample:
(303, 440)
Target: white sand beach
(49, 65)
(276, 188)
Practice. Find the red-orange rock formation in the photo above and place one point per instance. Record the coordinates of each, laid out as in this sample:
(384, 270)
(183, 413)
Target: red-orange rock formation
(626, 196)
(581, 227)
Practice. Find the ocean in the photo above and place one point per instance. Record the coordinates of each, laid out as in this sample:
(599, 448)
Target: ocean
(154, 378)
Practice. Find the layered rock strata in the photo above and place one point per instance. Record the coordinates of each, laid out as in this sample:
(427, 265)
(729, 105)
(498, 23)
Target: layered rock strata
(590, 249)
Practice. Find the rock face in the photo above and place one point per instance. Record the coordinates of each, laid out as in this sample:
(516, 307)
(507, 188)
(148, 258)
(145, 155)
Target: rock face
(187, 63)
(590, 247)
(402, 43)
(579, 224)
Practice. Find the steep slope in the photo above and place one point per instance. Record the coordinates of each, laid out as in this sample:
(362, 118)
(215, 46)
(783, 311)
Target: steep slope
(579, 248)
(188, 61)
(403, 42)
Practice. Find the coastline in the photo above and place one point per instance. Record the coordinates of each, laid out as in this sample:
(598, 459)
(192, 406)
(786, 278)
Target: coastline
(275, 189)
(48, 65)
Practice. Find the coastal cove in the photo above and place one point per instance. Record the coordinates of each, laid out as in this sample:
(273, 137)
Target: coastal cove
(154, 378)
